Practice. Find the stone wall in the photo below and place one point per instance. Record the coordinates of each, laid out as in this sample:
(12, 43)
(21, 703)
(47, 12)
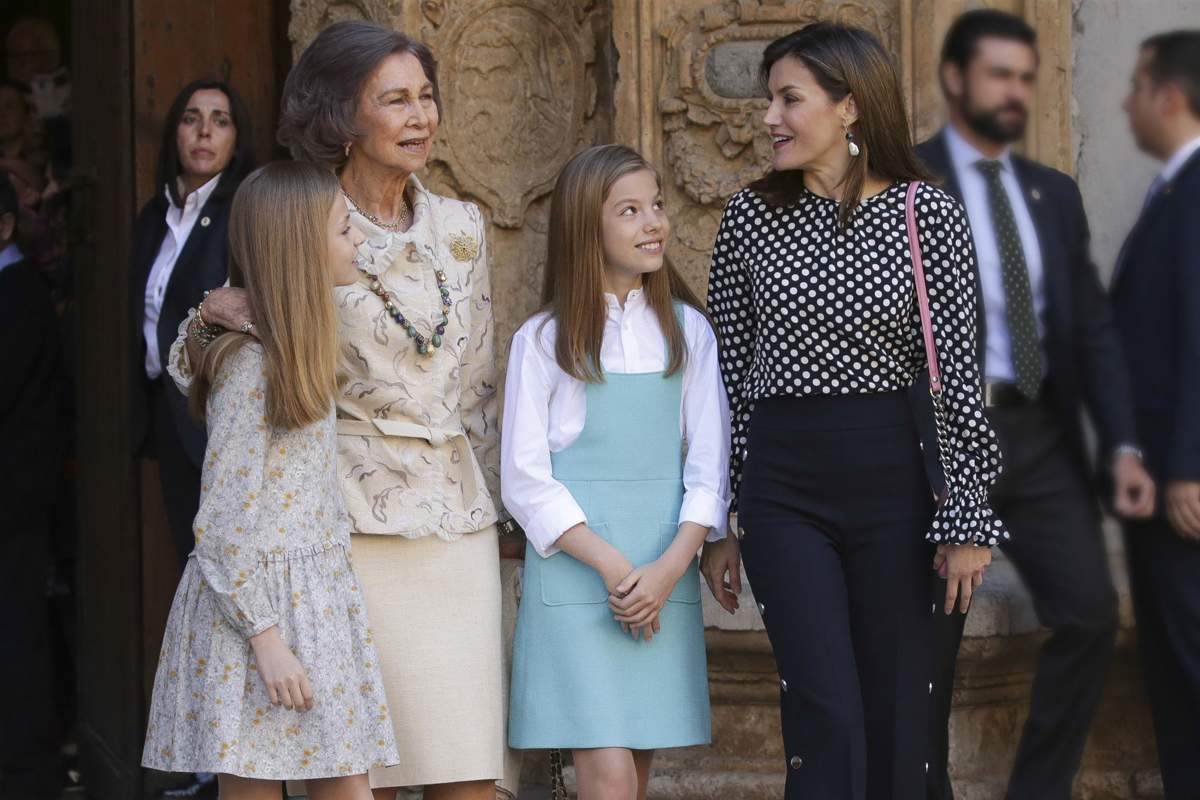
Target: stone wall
(529, 82)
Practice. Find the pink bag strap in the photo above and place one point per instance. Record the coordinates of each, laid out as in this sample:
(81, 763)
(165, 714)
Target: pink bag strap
(914, 246)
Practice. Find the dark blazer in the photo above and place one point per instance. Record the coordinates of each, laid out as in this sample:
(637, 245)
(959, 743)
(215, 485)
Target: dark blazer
(1156, 295)
(30, 378)
(1085, 364)
(203, 264)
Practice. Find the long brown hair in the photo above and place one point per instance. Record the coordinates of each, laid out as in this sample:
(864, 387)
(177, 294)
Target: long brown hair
(573, 290)
(278, 252)
(846, 60)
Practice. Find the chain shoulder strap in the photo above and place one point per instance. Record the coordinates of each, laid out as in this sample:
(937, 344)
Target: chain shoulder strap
(558, 786)
(931, 357)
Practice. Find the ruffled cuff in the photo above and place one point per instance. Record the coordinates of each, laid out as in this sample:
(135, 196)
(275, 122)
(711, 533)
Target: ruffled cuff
(246, 604)
(178, 365)
(967, 518)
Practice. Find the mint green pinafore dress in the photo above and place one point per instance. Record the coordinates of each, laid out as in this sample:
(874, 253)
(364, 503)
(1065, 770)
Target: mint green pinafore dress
(578, 680)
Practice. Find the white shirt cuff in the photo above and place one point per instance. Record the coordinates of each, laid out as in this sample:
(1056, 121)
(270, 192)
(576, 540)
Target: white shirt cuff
(551, 522)
(707, 509)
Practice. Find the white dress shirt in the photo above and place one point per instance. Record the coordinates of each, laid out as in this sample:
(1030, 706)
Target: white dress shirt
(1180, 157)
(545, 410)
(180, 222)
(998, 364)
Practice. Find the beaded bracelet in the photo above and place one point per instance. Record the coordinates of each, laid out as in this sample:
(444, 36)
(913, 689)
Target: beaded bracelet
(202, 332)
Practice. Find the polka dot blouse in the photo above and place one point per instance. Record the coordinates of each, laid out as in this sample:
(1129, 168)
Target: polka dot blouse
(806, 308)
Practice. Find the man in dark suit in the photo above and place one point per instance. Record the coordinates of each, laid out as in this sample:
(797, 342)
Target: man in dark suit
(1048, 349)
(1156, 296)
(29, 463)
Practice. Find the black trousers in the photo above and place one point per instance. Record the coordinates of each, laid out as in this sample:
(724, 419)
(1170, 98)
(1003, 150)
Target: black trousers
(835, 506)
(28, 721)
(1164, 572)
(179, 476)
(1053, 517)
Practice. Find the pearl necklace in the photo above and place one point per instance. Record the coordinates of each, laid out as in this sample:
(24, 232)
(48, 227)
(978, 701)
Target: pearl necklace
(397, 224)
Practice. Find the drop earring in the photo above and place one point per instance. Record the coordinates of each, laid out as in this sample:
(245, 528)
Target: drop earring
(347, 150)
(851, 145)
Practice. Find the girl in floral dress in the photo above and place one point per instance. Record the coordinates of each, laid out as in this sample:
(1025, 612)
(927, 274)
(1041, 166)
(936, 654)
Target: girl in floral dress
(268, 670)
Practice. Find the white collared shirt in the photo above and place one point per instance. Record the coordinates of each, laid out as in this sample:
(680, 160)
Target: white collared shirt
(10, 255)
(998, 364)
(1180, 157)
(545, 410)
(180, 222)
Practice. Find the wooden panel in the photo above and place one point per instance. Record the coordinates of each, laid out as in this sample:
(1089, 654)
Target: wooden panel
(110, 685)
(179, 41)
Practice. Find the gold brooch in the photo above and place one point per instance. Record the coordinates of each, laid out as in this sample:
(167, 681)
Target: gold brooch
(463, 246)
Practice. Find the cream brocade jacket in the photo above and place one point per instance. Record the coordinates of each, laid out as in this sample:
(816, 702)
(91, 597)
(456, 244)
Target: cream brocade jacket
(418, 440)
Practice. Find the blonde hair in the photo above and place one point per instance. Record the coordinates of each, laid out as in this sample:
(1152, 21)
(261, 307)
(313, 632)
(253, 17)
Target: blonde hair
(573, 289)
(278, 252)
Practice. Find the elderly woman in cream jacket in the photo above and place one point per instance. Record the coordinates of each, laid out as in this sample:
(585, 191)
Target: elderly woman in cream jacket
(417, 430)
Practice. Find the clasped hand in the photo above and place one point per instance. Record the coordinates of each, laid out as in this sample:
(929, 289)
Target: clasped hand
(637, 599)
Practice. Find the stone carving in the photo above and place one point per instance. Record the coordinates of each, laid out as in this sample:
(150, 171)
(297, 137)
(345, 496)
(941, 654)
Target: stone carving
(518, 93)
(309, 17)
(526, 84)
(710, 105)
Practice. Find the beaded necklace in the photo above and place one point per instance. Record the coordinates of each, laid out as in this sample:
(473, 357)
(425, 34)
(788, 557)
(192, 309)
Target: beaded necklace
(424, 346)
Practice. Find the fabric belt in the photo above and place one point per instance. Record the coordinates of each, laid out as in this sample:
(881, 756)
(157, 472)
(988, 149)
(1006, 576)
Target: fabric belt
(399, 429)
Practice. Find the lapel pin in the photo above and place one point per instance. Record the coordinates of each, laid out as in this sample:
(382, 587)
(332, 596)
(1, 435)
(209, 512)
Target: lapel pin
(1036, 194)
(205, 222)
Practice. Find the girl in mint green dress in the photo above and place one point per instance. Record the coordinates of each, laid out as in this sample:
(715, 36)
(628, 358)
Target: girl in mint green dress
(614, 460)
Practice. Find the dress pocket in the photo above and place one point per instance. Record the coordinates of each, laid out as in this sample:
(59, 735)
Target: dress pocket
(568, 581)
(687, 588)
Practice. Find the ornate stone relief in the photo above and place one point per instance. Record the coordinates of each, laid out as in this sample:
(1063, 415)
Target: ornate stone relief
(526, 84)
(710, 105)
(309, 17)
(519, 90)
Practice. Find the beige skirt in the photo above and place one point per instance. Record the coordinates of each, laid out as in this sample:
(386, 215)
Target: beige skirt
(434, 608)
(435, 613)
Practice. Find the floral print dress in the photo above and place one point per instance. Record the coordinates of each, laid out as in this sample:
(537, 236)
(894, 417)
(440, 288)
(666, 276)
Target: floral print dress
(272, 548)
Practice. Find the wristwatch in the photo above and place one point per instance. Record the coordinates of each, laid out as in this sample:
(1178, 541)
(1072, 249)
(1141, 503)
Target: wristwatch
(509, 527)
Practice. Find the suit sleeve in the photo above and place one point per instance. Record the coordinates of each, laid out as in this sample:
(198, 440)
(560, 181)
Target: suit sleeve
(1183, 458)
(1107, 392)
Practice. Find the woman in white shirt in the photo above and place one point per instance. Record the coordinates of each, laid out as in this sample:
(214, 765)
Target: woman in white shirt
(613, 461)
(180, 248)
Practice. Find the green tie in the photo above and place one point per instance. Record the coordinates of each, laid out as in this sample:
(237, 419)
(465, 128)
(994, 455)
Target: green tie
(1018, 296)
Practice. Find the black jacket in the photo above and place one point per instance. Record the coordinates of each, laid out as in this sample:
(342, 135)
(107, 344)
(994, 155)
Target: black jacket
(1156, 294)
(203, 264)
(30, 376)
(1085, 365)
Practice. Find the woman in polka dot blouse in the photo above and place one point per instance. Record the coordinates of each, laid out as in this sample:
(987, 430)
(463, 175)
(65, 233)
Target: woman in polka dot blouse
(813, 295)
